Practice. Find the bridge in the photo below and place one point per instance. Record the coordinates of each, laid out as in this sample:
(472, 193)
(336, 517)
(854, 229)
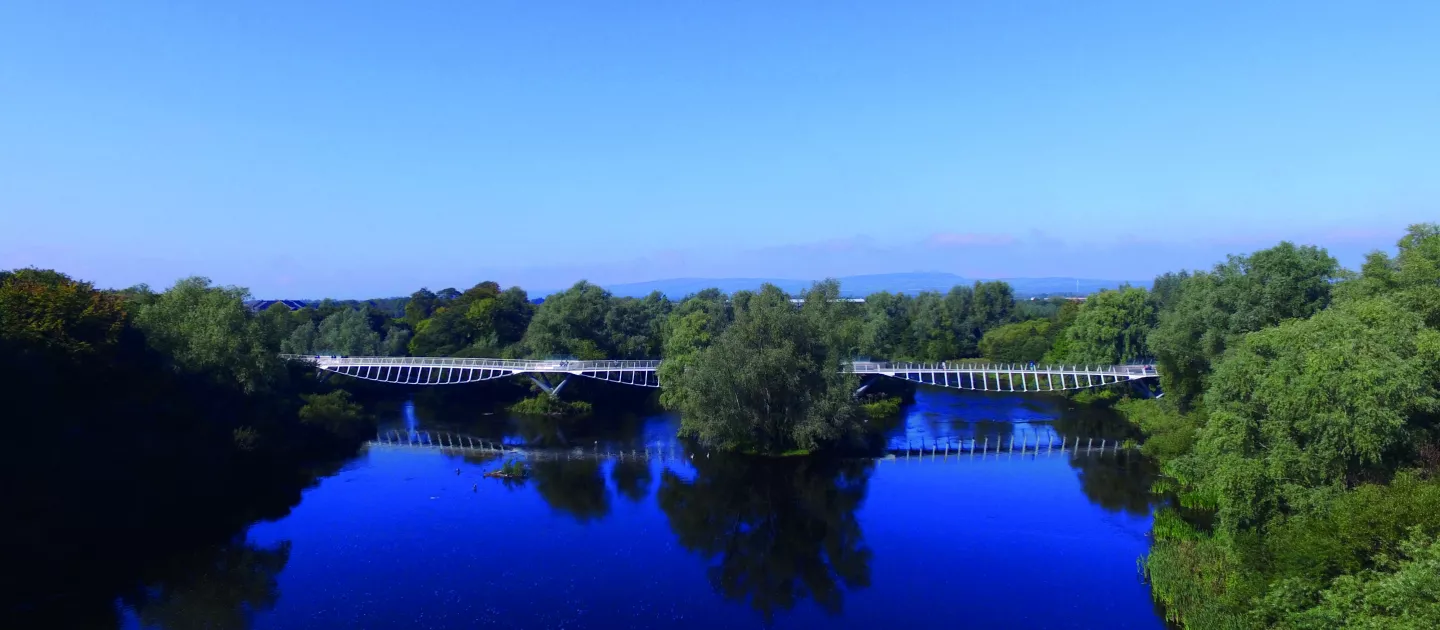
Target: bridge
(552, 375)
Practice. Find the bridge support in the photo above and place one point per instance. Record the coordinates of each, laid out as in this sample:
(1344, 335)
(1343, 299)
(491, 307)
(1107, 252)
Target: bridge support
(1144, 389)
(869, 380)
(543, 382)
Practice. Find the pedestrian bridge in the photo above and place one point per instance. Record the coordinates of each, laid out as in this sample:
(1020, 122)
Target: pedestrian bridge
(551, 375)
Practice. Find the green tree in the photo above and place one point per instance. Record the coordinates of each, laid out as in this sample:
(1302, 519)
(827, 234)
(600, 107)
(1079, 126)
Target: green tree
(419, 307)
(301, 340)
(347, 332)
(1020, 342)
(938, 332)
(887, 332)
(1309, 406)
(768, 382)
(636, 327)
(690, 328)
(1111, 328)
(396, 343)
(993, 304)
(1412, 278)
(46, 311)
(1211, 311)
(336, 413)
(207, 330)
(571, 324)
(483, 321)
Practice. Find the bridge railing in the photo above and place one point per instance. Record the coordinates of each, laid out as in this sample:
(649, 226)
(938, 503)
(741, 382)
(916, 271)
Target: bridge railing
(866, 367)
(522, 365)
(858, 367)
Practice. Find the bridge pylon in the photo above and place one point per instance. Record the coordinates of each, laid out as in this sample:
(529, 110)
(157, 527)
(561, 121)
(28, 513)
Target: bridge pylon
(544, 383)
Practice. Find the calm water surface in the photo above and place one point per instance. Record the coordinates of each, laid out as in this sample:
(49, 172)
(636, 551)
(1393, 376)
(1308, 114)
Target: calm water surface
(405, 537)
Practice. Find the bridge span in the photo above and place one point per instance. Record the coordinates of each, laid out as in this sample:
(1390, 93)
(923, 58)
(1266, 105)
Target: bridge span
(966, 376)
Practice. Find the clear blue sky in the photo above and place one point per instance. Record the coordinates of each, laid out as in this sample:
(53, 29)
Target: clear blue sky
(368, 148)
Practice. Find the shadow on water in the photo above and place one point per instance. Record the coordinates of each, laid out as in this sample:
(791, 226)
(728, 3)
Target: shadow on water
(776, 531)
(218, 587)
(178, 556)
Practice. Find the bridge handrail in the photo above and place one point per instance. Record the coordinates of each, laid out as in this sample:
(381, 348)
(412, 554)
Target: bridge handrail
(864, 367)
(514, 364)
(858, 367)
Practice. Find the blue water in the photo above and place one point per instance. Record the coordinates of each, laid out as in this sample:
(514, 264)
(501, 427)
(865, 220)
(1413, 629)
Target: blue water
(417, 538)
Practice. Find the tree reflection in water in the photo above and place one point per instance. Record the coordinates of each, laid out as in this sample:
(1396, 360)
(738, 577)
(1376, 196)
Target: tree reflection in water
(1118, 482)
(573, 486)
(779, 530)
(632, 478)
(219, 587)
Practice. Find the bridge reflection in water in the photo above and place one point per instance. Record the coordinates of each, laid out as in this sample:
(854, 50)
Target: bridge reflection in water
(1027, 442)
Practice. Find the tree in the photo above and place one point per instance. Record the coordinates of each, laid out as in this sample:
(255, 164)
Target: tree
(483, 321)
(936, 330)
(277, 323)
(347, 332)
(992, 305)
(1401, 594)
(421, 305)
(1247, 293)
(1313, 404)
(1167, 288)
(886, 331)
(1111, 328)
(42, 310)
(301, 340)
(336, 413)
(571, 324)
(768, 382)
(207, 330)
(690, 328)
(635, 327)
(1412, 278)
(397, 342)
(1020, 342)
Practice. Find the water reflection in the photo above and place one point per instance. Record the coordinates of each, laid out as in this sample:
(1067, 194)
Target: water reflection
(776, 531)
(219, 588)
(573, 486)
(775, 540)
(1117, 481)
(632, 479)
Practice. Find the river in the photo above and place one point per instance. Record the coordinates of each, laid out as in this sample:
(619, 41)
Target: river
(414, 537)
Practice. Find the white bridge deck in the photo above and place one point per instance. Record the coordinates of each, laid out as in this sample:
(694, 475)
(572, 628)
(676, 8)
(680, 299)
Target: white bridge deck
(968, 376)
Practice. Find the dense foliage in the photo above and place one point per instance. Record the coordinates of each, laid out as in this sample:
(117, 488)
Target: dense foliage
(137, 416)
(1300, 440)
(771, 381)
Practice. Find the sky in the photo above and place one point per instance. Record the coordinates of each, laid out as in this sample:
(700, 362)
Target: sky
(367, 148)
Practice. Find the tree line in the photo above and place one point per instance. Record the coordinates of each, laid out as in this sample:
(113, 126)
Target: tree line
(140, 423)
(983, 321)
(1298, 439)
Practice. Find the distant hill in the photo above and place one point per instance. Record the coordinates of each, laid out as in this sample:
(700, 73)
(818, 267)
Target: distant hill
(860, 286)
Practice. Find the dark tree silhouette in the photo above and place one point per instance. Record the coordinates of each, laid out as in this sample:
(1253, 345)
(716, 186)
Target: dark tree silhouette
(778, 530)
